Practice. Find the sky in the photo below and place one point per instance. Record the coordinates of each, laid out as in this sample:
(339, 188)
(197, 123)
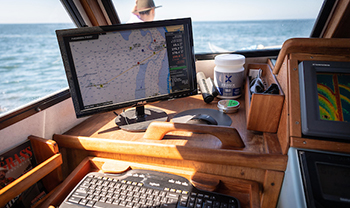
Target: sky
(52, 11)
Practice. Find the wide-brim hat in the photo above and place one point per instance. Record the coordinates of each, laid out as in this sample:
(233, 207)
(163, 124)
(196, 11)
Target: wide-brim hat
(3, 169)
(144, 5)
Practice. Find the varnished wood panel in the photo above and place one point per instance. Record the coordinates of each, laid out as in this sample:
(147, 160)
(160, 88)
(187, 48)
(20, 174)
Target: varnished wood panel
(320, 144)
(272, 186)
(28, 179)
(272, 144)
(294, 99)
(263, 110)
(103, 126)
(43, 150)
(338, 24)
(335, 46)
(283, 127)
(179, 152)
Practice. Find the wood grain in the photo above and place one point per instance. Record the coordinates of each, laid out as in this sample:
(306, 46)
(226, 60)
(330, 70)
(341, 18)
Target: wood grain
(335, 46)
(228, 157)
(28, 179)
(229, 137)
(43, 150)
(264, 110)
(318, 144)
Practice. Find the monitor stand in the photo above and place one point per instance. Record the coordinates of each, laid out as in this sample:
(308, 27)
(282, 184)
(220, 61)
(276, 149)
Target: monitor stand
(138, 118)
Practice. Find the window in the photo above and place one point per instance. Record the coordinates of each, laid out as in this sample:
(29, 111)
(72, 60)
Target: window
(230, 25)
(30, 62)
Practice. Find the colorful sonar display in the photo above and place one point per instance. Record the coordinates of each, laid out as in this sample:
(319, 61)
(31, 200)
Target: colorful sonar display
(334, 96)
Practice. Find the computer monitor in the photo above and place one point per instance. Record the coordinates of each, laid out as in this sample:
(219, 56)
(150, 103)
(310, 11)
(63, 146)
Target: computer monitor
(325, 176)
(111, 67)
(325, 99)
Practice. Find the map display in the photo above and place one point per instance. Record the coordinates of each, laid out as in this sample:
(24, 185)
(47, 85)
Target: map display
(116, 67)
(334, 96)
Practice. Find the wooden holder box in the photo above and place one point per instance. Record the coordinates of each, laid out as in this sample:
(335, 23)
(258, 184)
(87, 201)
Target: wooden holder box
(263, 110)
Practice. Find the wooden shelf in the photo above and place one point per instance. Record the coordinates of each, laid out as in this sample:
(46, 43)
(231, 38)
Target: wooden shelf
(46, 152)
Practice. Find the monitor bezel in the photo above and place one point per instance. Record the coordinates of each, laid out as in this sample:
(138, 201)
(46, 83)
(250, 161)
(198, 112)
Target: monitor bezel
(311, 124)
(309, 161)
(64, 35)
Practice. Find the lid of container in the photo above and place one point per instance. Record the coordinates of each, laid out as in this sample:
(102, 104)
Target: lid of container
(228, 106)
(229, 59)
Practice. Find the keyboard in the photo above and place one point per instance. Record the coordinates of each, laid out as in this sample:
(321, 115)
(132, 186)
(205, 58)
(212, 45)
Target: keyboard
(143, 189)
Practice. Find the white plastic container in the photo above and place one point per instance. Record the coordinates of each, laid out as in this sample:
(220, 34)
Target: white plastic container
(229, 75)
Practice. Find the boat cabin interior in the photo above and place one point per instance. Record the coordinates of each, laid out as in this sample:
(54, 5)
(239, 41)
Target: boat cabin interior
(276, 150)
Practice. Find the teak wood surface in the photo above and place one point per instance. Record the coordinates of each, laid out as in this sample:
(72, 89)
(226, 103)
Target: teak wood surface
(100, 133)
(260, 160)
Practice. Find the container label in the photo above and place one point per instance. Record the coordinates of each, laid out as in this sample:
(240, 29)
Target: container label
(232, 103)
(230, 84)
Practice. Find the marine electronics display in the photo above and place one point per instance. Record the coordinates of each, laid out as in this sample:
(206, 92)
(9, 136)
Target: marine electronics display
(325, 178)
(325, 99)
(116, 66)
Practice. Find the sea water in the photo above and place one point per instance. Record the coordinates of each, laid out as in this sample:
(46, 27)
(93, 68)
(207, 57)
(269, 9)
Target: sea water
(31, 66)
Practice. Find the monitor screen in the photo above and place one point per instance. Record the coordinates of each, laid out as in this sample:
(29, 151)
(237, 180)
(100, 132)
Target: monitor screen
(325, 178)
(325, 99)
(334, 96)
(117, 66)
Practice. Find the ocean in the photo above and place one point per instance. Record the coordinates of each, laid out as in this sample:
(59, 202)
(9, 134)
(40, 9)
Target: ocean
(31, 66)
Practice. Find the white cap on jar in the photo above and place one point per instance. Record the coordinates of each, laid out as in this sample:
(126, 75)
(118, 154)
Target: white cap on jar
(229, 59)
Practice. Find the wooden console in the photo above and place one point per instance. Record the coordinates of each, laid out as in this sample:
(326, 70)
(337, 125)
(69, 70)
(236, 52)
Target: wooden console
(181, 151)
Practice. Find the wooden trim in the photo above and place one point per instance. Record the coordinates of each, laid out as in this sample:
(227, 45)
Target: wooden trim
(229, 136)
(336, 22)
(43, 150)
(319, 144)
(294, 98)
(283, 127)
(323, 18)
(272, 144)
(28, 179)
(272, 186)
(177, 152)
(338, 46)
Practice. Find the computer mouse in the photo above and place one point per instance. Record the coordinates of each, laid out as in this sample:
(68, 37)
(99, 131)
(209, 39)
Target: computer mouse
(202, 119)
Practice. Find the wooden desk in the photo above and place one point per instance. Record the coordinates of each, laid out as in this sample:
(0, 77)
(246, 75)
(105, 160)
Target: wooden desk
(260, 160)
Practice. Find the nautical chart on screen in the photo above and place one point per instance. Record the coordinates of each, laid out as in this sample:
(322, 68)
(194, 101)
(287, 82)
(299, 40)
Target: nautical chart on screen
(121, 66)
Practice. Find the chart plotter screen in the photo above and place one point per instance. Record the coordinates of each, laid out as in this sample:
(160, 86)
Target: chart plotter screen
(117, 66)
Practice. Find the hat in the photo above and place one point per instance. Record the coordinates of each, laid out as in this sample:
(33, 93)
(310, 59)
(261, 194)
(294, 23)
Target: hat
(3, 169)
(144, 5)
